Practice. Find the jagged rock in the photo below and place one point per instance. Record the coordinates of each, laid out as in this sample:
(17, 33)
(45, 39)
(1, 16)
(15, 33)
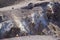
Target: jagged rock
(32, 19)
(54, 29)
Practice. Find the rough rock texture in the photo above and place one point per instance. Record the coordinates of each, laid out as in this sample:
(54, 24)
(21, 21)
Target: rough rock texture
(16, 10)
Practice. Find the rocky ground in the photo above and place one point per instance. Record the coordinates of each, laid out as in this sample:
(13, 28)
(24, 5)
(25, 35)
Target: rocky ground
(4, 3)
(35, 37)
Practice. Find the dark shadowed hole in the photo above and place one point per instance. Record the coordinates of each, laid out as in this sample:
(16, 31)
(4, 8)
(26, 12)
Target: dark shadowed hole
(54, 28)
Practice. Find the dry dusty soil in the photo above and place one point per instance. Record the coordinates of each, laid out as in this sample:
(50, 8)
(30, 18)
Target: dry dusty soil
(36, 37)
